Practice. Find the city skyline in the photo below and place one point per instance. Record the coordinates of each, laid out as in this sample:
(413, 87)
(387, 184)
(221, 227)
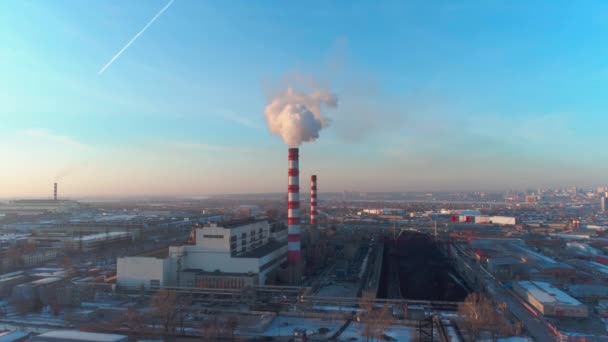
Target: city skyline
(432, 95)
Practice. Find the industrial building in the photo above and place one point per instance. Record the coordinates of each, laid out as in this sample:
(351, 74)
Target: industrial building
(38, 206)
(92, 242)
(14, 336)
(78, 241)
(35, 258)
(87, 228)
(588, 291)
(228, 256)
(483, 219)
(503, 268)
(599, 271)
(77, 336)
(549, 300)
(10, 280)
(41, 291)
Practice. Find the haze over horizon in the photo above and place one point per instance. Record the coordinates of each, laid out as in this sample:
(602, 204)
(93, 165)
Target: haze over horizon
(114, 98)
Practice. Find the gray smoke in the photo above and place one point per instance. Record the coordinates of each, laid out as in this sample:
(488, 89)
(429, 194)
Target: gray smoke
(297, 117)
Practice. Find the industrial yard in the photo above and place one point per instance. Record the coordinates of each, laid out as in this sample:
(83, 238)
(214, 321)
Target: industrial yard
(410, 270)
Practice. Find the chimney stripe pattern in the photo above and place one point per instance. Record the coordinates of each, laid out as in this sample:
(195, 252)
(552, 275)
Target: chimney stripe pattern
(313, 199)
(293, 205)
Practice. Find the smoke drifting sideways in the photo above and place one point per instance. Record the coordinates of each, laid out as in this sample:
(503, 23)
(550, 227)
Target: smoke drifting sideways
(297, 117)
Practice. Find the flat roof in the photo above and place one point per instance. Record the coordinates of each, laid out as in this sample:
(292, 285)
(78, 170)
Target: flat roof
(10, 336)
(505, 260)
(75, 335)
(43, 281)
(233, 274)
(2, 280)
(600, 267)
(547, 293)
(237, 224)
(102, 236)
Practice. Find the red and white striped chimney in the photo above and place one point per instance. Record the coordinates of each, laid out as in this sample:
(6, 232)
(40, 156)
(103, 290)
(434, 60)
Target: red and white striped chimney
(293, 208)
(313, 199)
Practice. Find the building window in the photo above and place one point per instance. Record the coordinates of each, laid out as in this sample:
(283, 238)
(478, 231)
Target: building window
(154, 283)
(213, 236)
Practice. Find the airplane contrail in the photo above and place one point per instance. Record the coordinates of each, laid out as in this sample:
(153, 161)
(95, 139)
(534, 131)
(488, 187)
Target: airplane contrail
(135, 37)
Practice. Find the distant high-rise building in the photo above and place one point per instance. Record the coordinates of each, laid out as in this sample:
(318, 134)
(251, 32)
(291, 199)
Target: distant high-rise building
(603, 203)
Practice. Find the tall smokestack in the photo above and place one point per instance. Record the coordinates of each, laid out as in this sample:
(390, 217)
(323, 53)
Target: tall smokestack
(313, 199)
(55, 191)
(293, 208)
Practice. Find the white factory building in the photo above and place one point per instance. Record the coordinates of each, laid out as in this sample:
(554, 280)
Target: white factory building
(484, 219)
(550, 301)
(224, 256)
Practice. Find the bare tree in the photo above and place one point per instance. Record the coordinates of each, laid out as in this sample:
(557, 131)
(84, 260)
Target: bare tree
(164, 303)
(67, 263)
(211, 329)
(183, 303)
(232, 324)
(375, 320)
(53, 302)
(133, 318)
(272, 214)
(478, 315)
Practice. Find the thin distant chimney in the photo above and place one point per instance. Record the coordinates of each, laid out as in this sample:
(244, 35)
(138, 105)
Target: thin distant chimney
(55, 191)
(313, 199)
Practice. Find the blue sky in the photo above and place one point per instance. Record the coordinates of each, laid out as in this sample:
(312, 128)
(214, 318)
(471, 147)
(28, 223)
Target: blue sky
(433, 95)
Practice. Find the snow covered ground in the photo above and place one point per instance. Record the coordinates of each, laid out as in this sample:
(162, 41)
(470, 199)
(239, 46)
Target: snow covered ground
(339, 289)
(399, 333)
(287, 326)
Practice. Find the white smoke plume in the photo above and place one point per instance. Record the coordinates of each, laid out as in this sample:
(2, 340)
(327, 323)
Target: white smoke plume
(297, 117)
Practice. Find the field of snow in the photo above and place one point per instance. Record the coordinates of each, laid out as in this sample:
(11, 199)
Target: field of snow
(287, 326)
(341, 289)
(398, 333)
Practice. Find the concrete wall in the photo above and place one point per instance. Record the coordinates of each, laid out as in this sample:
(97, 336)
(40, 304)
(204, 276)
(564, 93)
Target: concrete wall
(210, 262)
(218, 239)
(137, 271)
(209, 239)
(193, 258)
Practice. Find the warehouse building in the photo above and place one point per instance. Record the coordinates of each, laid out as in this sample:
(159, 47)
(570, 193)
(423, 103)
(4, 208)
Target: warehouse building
(79, 241)
(87, 228)
(9, 281)
(549, 300)
(33, 294)
(77, 336)
(503, 268)
(589, 291)
(37, 207)
(233, 255)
